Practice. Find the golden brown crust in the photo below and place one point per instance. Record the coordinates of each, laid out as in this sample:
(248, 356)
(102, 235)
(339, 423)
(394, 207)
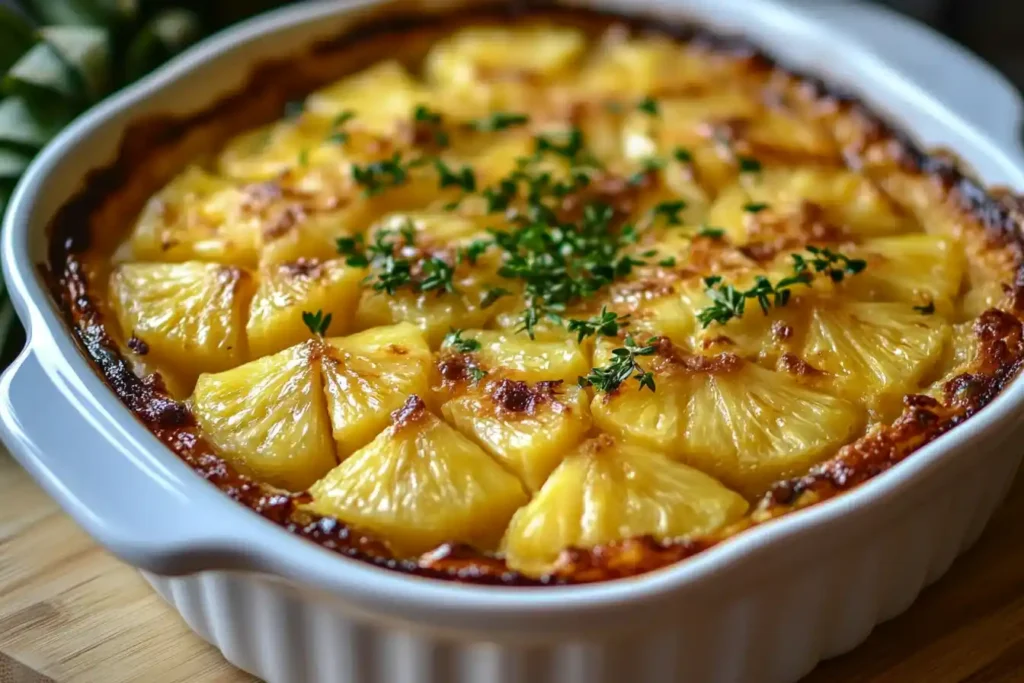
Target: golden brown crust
(864, 141)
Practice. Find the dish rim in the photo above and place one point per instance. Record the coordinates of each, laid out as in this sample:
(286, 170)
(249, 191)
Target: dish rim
(51, 346)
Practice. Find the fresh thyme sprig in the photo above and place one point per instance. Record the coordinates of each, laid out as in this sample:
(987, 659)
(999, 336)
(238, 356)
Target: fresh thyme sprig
(499, 121)
(926, 309)
(728, 302)
(648, 105)
(455, 341)
(336, 134)
(317, 322)
(378, 176)
(432, 122)
(670, 210)
(391, 270)
(606, 323)
(823, 260)
(621, 367)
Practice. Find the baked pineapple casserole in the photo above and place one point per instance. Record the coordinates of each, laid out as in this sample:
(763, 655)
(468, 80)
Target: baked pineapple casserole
(552, 300)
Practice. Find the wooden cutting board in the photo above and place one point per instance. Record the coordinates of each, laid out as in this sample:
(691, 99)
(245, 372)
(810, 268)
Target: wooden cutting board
(71, 612)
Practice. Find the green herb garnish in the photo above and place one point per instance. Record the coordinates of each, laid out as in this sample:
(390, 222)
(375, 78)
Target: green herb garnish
(755, 207)
(433, 122)
(293, 109)
(648, 105)
(492, 295)
(711, 233)
(476, 374)
(606, 323)
(464, 178)
(378, 176)
(749, 164)
(317, 322)
(455, 341)
(499, 121)
(670, 210)
(568, 144)
(927, 309)
(621, 367)
(336, 134)
(683, 156)
(823, 260)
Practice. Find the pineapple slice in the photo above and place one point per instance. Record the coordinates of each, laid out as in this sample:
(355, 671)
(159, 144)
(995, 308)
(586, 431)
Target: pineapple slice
(919, 269)
(368, 375)
(875, 351)
(419, 484)
(484, 69)
(793, 198)
(268, 417)
(312, 236)
(479, 54)
(528, 428)
(533, 360)
(636, 67)
(197, 216)
(959, 357)
(744, 425)
(379, 97)
(190, 315)
(433, 314)
(607, 491)
(273, 151)
(757, 335)
(286, 291)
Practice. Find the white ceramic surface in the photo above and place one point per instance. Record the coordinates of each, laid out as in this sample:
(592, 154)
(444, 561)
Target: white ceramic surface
(761, 608)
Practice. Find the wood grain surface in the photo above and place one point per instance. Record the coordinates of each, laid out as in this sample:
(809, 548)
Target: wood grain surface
(71, 612)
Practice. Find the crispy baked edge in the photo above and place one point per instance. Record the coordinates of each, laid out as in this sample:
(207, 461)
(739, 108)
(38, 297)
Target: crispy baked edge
(999, 333)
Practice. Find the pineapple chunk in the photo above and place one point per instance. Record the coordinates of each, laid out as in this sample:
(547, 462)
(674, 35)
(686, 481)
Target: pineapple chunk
(744, 425)
(758, 334)
(420, 484)
(533, 360)
(268, 417)
(918, 269)
(845, 199)
(368, 375)
(606, 491)
(636, 67)
(190, 315)
(433, 314)
(291, 237)
(877, 351)
(272, 152)
(285, 291)
(958, 357)
(379, 97)
(484, 69)
(197, 216)
(528, 428)
(479, 54)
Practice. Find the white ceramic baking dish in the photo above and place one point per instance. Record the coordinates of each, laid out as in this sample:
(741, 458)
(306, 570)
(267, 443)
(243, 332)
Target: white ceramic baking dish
(762, 608)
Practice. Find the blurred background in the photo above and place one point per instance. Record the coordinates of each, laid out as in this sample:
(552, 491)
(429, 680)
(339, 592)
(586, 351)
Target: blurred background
(993, 29)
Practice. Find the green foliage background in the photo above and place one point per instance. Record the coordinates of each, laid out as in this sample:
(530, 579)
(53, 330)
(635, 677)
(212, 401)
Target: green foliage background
(59, 57)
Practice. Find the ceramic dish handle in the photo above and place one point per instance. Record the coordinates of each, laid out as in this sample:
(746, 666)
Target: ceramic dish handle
(965, 84)
(74, 461)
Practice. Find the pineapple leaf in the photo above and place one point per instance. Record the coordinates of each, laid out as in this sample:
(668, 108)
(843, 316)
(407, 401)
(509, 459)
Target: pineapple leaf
(85, 50)
(41, 74)
(166, 34)
(73, 12)
(16, 37)
(12, 165)
(28, 128)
